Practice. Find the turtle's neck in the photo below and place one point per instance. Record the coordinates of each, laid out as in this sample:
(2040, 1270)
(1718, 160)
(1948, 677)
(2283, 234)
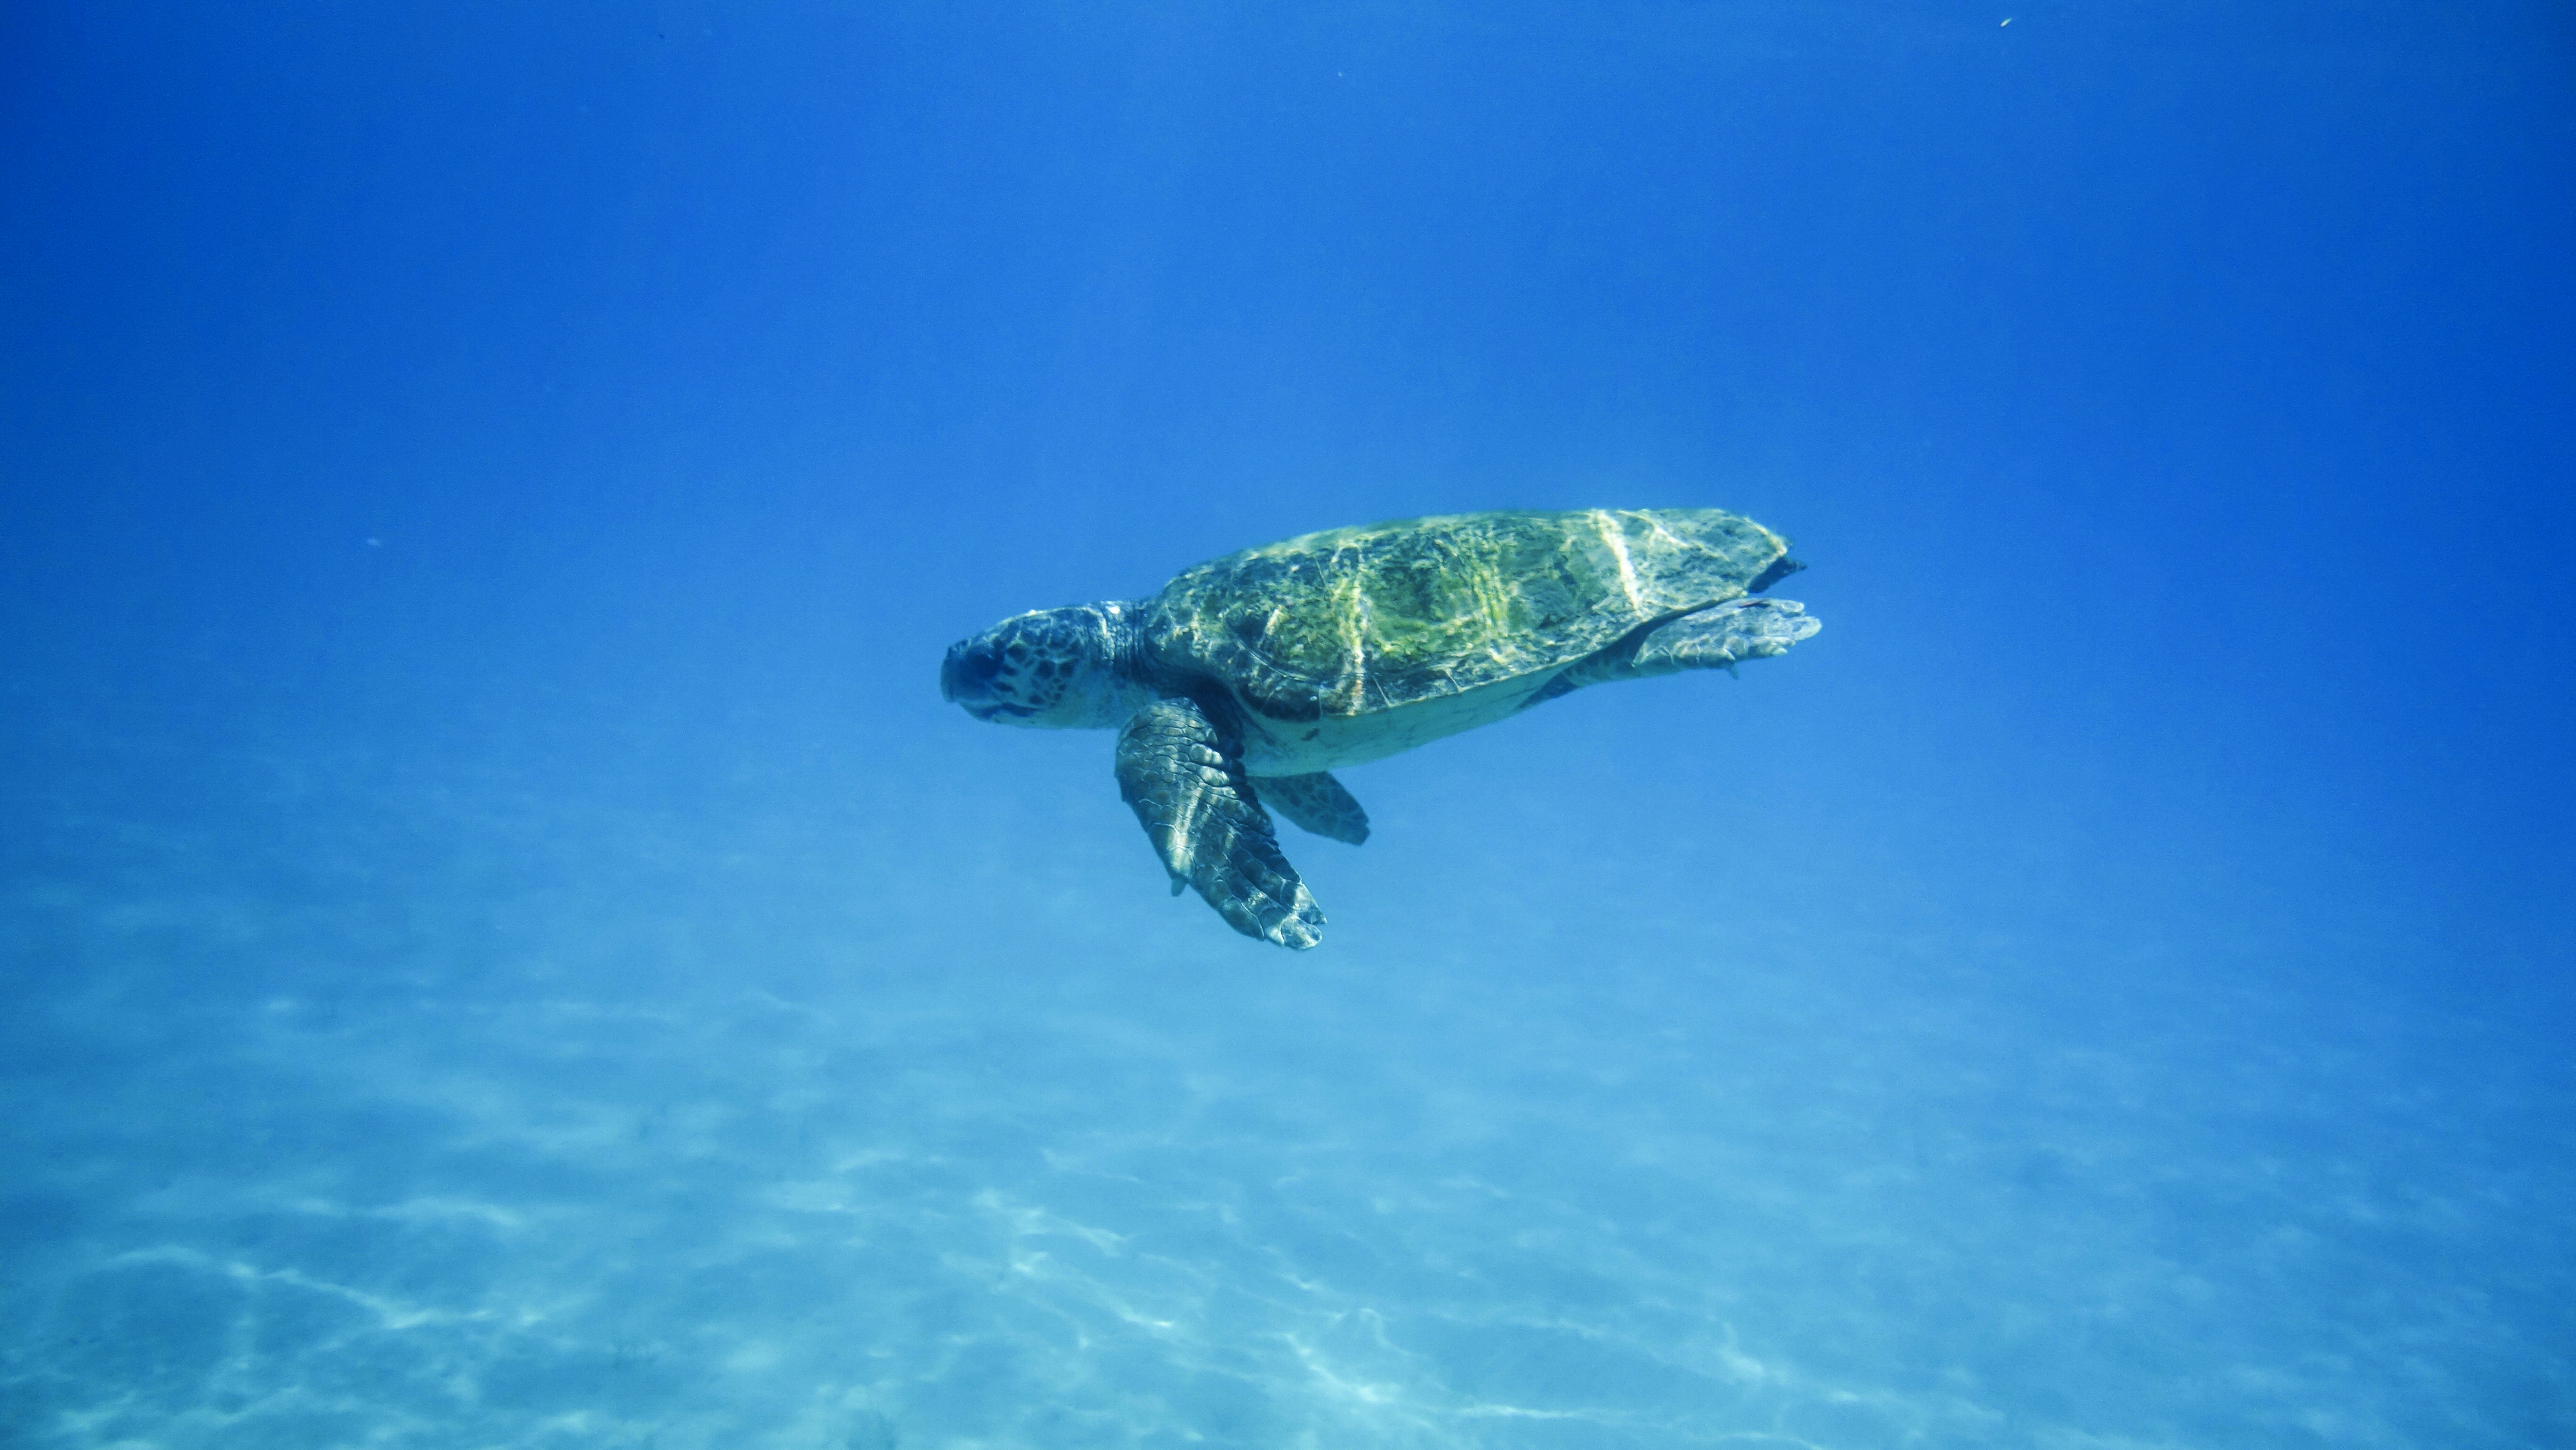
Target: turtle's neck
(1128, 657)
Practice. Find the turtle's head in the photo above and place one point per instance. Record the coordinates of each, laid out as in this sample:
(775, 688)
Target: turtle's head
(1057, 668)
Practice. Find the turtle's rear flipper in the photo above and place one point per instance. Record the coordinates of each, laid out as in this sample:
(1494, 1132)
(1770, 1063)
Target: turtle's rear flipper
(1316, 803)
(1712, 639)
(1724, 637)
(1189, 791)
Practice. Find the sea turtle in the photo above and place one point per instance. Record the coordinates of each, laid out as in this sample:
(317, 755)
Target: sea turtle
(1249, 678)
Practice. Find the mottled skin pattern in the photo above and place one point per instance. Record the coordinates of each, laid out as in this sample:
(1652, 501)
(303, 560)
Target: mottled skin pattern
(1248, 678)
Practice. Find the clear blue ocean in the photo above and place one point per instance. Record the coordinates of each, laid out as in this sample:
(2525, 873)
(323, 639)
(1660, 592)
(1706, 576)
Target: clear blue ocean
(503, 944)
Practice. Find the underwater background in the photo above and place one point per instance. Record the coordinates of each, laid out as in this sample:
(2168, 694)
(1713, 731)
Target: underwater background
(504, 945)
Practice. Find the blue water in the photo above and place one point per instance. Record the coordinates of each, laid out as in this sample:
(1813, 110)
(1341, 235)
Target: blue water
(504, 945)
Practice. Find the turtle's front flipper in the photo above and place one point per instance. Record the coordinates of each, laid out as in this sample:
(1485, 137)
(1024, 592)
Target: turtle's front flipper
(1316, 803)
(1187, 786)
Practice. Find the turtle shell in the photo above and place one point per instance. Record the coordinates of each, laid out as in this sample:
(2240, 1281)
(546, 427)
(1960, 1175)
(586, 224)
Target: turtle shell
(1353, 621)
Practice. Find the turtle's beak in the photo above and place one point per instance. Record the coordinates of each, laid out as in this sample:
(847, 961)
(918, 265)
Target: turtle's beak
(966, 678)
